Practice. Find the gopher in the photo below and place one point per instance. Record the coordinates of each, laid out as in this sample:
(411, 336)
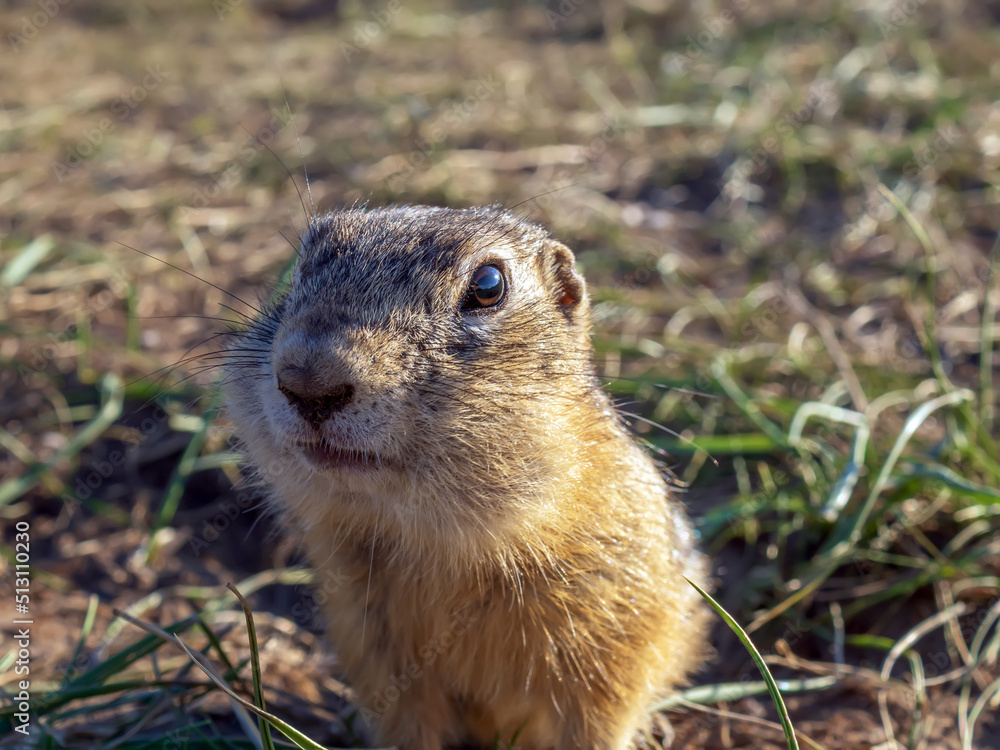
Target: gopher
(508, 562)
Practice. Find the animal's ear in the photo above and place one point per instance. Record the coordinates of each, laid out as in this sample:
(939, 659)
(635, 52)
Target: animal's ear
(568, 286)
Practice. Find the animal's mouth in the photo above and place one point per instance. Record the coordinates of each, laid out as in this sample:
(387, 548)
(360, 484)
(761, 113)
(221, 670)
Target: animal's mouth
(333, 457)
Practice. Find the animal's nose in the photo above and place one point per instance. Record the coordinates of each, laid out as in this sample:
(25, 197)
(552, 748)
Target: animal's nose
(314, 407)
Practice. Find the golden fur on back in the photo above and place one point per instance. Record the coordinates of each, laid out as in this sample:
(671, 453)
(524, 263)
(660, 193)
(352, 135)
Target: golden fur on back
(506, 560)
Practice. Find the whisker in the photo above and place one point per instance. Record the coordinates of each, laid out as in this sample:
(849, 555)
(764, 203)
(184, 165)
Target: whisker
(287, 171)
(193, 276)
(371, 567)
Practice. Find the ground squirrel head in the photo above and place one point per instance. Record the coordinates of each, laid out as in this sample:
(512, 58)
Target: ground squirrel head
(419, 368)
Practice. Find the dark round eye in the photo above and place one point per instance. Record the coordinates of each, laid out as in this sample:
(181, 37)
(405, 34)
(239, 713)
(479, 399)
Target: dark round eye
(486, 290)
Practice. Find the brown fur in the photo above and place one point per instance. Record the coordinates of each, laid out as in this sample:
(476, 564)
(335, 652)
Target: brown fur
(515, 564)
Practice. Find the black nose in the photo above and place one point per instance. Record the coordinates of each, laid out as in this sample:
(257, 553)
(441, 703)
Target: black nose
(317, 409)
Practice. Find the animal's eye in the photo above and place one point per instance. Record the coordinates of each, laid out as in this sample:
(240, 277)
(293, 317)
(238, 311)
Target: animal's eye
(486, 289)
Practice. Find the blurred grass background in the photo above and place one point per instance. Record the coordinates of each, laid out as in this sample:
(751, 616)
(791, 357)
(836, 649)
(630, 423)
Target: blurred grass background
(787, 215)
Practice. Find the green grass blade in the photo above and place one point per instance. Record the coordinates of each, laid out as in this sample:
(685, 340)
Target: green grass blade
(25, 261)
(730, 692)
(720, 371)
(844, 537)
(232, 672)
(929, 337)
(772, 687)
(113, 398)
(282, 726)
(841, 492)
(987, 396)
(963, 486)
(91, 682)
(159, 635)
(124, 658)
(749, 443)
(175, 488)
(88, 626)
(258, 689)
